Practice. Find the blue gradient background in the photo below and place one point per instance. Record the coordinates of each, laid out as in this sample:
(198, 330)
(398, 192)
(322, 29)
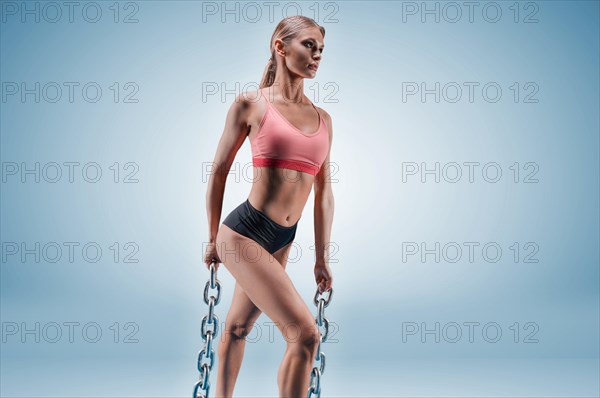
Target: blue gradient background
(172, 133)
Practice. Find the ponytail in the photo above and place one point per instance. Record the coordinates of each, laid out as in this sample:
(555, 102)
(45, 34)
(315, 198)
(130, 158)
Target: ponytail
(269, 74)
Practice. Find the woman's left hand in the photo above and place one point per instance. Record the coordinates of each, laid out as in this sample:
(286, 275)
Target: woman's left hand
(323, 277)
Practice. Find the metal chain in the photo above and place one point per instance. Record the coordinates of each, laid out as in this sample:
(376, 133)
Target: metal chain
(202, 387)
(317, 372)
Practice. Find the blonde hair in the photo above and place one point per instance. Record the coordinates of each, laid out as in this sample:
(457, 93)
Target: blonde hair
(286, 30)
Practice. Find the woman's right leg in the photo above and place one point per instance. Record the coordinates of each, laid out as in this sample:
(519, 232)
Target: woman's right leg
(239, 322)
(266, 284)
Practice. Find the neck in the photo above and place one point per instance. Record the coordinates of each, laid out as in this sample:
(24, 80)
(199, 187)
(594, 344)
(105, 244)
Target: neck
(290, 90)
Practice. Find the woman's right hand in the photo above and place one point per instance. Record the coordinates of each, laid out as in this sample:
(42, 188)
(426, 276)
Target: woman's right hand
(211, 255)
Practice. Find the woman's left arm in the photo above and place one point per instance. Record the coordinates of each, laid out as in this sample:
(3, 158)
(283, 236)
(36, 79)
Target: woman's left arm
(323, 211)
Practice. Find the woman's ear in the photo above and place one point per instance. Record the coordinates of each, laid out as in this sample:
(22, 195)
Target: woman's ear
(279, 47)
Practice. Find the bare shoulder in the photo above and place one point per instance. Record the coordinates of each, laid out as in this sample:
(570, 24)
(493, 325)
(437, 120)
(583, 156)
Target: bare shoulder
(251, 101)
(326, 118)
(246, 100)
(324, 113)
(244, 107)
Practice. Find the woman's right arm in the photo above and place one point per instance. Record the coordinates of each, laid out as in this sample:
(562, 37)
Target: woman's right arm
(234, 134)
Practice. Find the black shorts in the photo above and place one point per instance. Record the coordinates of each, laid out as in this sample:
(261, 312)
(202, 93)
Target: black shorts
(256, 225)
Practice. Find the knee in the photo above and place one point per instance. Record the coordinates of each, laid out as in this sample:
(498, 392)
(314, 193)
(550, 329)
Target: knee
(303, 336)
(237, 330)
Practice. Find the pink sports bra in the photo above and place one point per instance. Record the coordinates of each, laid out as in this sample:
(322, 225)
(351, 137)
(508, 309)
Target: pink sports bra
(280, 144)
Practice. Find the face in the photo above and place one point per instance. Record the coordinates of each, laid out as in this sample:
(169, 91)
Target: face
(303, 54)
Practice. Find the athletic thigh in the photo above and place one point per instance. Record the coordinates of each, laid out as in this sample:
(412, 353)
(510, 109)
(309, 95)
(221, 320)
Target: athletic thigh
(264, 283)
(243, 312)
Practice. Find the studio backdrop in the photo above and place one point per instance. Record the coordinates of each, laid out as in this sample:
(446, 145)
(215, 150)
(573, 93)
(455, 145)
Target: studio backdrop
(464, 169)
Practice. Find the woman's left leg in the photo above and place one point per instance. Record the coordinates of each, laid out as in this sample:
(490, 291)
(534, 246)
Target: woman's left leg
(239, 322)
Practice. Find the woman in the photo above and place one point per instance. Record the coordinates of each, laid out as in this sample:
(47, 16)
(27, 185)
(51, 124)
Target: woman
(291, 142)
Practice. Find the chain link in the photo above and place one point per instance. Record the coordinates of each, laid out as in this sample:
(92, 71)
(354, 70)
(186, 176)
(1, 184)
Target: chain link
(317, 372)
(202, 387)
